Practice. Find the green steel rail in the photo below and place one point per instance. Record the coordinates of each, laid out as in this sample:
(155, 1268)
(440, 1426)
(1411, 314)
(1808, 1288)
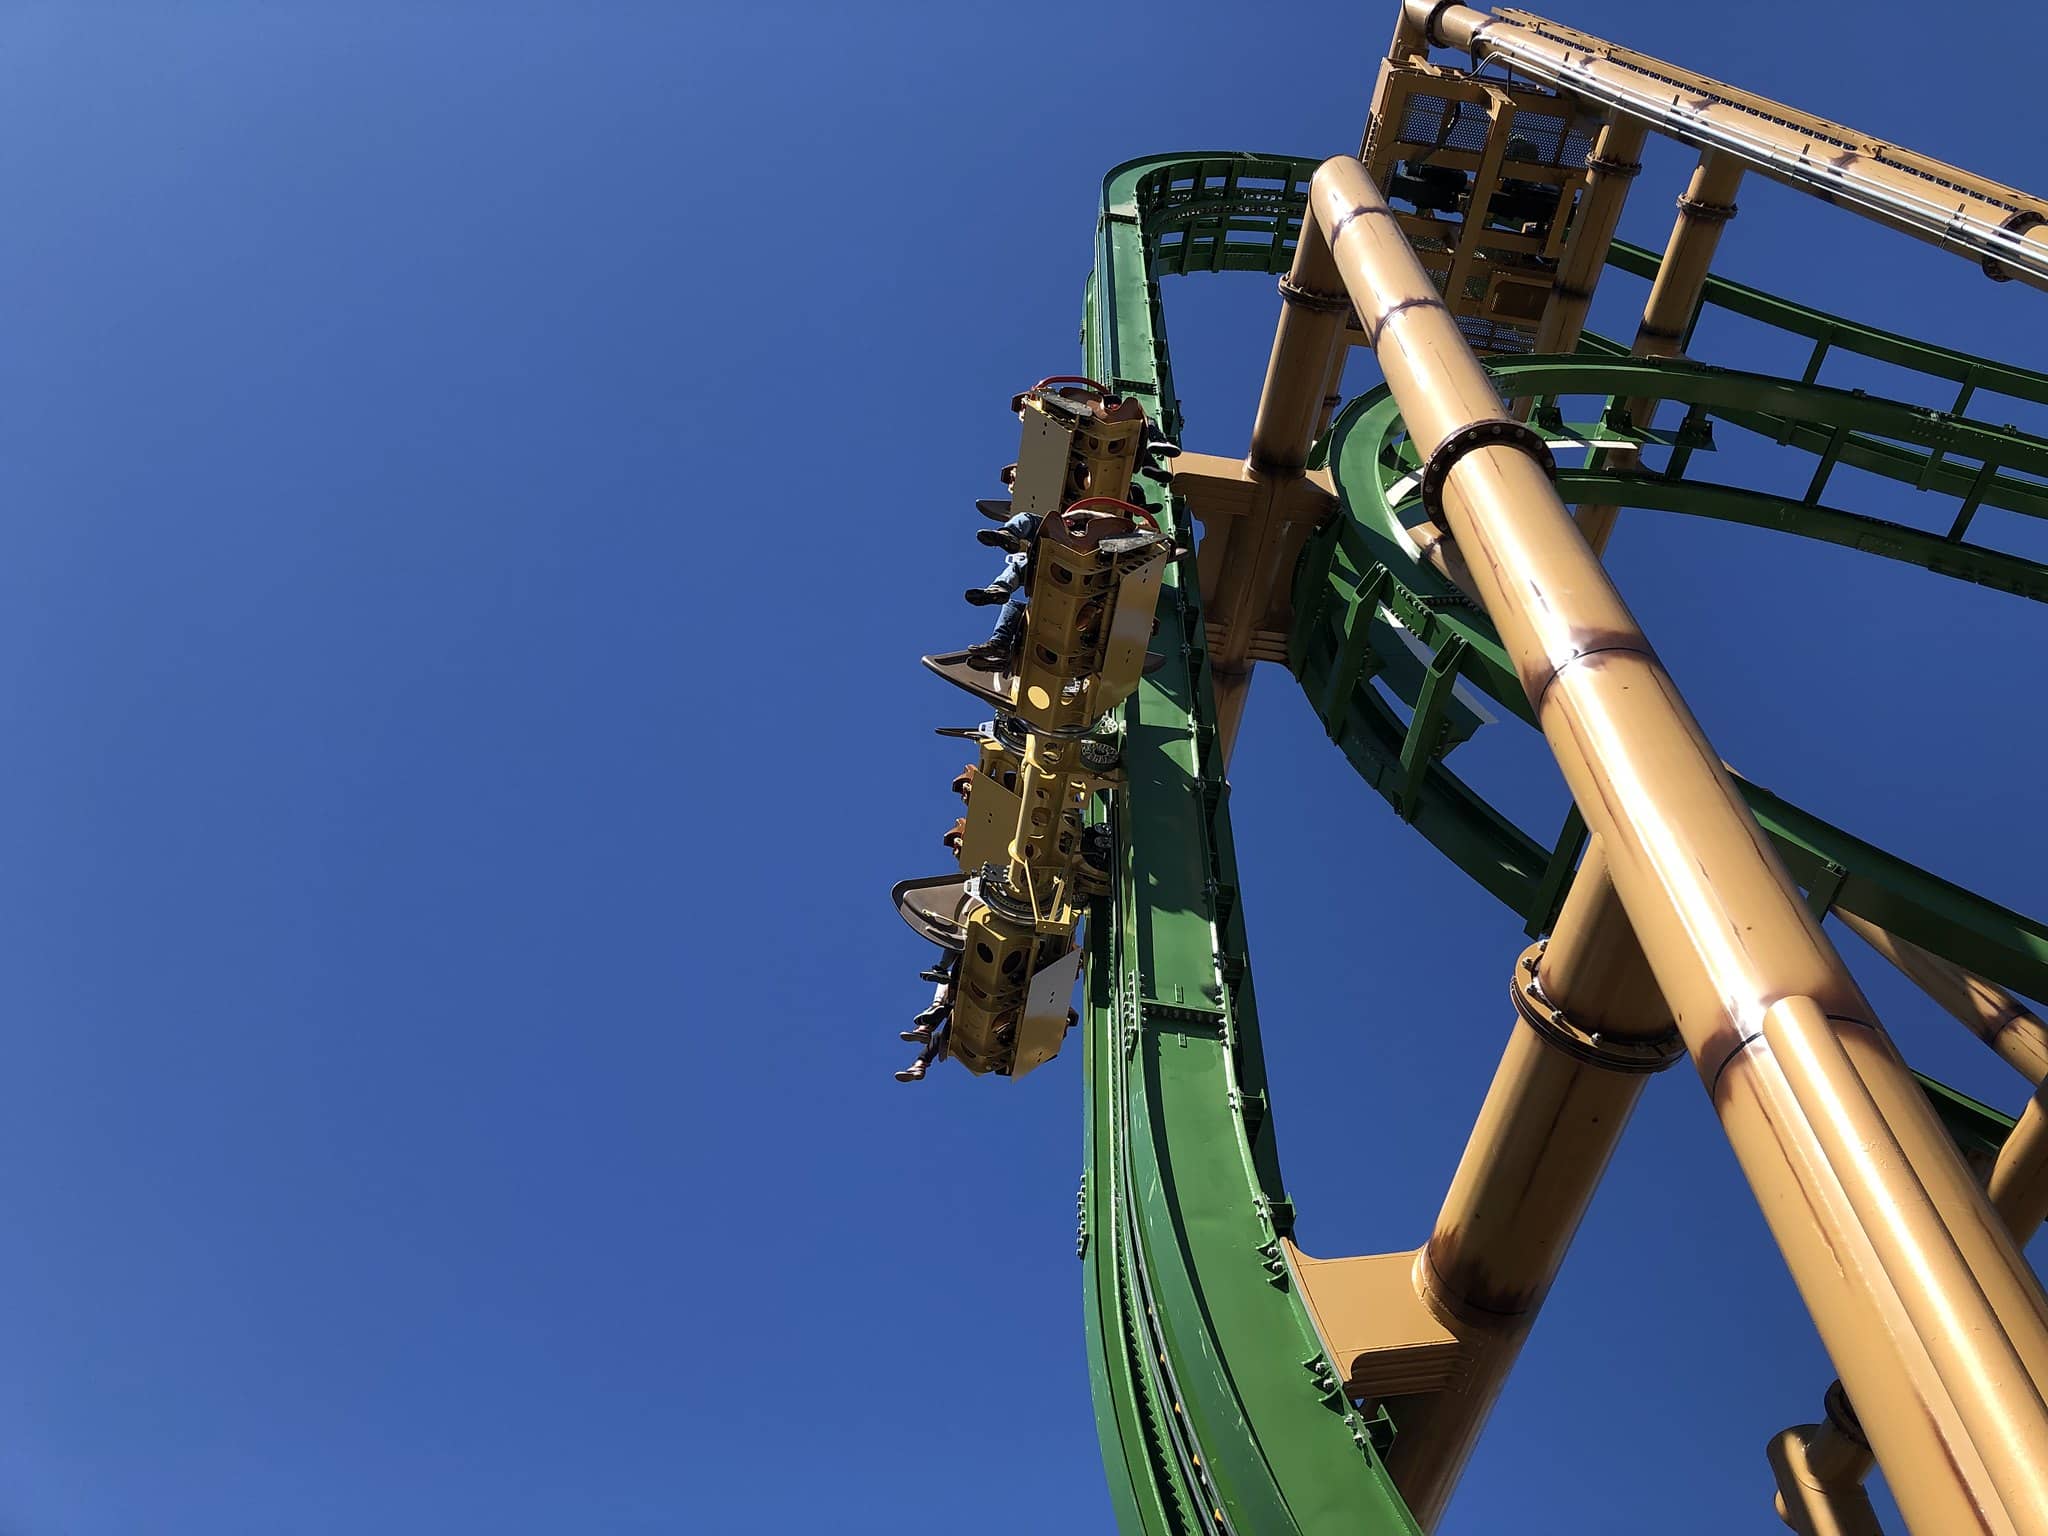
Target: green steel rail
(1217, 1407)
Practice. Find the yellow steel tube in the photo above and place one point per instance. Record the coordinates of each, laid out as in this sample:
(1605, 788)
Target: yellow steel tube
(1609, 170)
(1308, 348)
(1594, 968)
(1707, 205)
(2019, 1180)
(1756, 990)
(1546, 1130)
(1837, 1453)
(1333, 388)
(1704, 208)
(1311, 329)
(1991, 1013)
(1543, 1138)
(1817, 1502)
(1411, 36)
(2018, 1193)
(1820, 1467)
(1889, 1362)
(1944, 1301)
(1986, 1241)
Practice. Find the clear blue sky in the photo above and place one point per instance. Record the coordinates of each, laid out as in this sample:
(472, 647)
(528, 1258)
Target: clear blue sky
(478, 478)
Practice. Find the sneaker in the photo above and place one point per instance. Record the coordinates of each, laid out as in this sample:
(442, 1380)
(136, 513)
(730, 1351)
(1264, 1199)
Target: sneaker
(914, 1073)
(996, 509)
(932, 1015)
(986, 597)
(987, 658)
(996, 538)
(934, 974)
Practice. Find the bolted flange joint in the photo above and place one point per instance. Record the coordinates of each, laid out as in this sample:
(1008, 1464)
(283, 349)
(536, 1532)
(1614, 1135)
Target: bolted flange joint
(1637, 1057)
(1489, 433)
(1702, 212)
(1312, 299)
(1621, 170)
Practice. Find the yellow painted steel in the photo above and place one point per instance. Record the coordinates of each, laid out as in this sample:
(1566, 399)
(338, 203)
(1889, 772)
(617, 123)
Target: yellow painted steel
(1683, 934)
(1919, 1295)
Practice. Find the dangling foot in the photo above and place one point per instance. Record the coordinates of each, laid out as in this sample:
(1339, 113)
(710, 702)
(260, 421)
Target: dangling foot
(914, 1073)
(988, 658)
(935, 974)
(986, 597)
(997, 509)
(996, 538)
(1158, 443)
(922, 1035)
(936, 1014)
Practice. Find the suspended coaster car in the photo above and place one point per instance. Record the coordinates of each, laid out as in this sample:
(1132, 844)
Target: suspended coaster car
(1079, 440)
(1028, 864)
(1096, 568)
(1015, 972)
(1096, 562)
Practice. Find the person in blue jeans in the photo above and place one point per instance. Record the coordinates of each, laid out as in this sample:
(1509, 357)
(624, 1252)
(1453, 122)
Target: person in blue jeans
(1010, 588)
(1015, 537)
(1000, 649)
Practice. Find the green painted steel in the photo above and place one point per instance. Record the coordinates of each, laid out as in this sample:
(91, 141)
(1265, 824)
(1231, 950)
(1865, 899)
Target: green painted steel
(1833, 333)
(1218, 1409)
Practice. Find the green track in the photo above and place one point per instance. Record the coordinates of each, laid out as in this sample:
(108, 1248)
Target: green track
(1217, 1408)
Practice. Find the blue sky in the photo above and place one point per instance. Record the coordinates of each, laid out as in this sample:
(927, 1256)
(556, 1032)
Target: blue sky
(478, 481)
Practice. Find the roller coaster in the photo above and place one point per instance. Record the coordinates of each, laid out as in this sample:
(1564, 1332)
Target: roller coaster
(1426, 561)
